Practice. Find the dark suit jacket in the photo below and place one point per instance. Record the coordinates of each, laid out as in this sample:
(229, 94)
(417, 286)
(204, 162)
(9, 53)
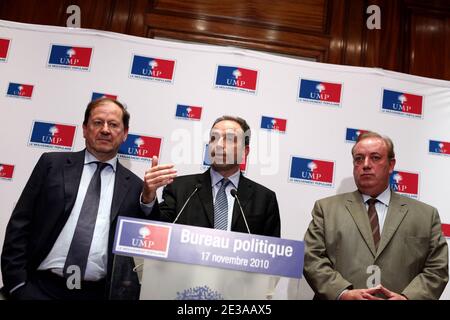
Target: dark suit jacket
(259, 204)
(43, 209)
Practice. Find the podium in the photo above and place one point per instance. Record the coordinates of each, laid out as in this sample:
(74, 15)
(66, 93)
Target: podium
(191, 263)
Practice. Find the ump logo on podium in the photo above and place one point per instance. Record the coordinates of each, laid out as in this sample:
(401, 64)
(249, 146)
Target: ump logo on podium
(143, 238)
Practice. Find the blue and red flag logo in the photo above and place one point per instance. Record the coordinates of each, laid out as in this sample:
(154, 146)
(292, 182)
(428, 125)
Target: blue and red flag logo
(312, 171)
(99, 95)
(6, 171)
(446, 230)
(138, 147)
(236, 78)
(152, 68)
(68, 57)
(439, 147)
(146, 239)
(273, 124)
(188, 112)
(352, 135)
(405, 183)
(20, 90)
(52, 135)
(320, 92)
(207, 160)
(402, 103)
(4, 47)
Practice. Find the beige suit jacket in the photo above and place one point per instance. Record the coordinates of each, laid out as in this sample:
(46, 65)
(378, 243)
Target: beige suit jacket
(412, 255)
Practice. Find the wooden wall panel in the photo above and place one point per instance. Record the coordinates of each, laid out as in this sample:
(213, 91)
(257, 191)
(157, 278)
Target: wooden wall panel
(287, 14)
(124, 16)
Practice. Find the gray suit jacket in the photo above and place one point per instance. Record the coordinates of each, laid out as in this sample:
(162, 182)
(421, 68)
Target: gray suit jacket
(412, 254)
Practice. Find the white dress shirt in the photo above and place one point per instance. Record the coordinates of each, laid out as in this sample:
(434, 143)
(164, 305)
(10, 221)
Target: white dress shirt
(98, 253)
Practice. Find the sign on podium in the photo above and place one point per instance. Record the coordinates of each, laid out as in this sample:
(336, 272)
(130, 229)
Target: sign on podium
(185, 262)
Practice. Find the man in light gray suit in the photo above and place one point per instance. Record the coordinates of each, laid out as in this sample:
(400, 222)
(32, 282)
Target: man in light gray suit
(373, 243)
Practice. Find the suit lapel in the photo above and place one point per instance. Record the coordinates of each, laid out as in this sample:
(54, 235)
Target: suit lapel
(396, 213)
(358, 212)
(121, 185)
(73, 168)
(245, 192)
(205, 194)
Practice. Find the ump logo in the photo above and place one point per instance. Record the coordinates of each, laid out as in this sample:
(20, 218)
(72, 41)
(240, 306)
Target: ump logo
(446, 229)
(152, 69)
(236, 78)
(320, 92)
(188, 112)
(19, 90)
(68, 57)
(138, 147)
(439, 147)
(4, 47)
(98, 95)
(352, 135)
(52, 135)
(406, 183)
(312, 171)
(273, 124)
(402, 103)
(144, 238)
(207, 160)
(6, 171)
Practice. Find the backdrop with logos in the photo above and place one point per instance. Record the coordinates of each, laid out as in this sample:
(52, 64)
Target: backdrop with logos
(304, 116)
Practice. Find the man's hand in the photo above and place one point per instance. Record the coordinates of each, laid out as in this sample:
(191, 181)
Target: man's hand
(370, 294)
(157, 176)
(356, 294)
(390, 295)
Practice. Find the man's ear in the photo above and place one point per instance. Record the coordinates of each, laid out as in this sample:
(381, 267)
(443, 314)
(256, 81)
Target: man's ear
(391, 165)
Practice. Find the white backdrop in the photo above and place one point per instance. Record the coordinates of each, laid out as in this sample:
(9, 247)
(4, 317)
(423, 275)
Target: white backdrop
(316, 129)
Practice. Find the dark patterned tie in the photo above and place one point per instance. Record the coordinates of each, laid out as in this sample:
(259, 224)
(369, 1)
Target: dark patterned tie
(221, 207)
(84, 231)
(373, 219)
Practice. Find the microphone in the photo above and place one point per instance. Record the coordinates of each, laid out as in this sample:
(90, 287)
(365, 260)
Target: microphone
(234, 194)
(198, 186)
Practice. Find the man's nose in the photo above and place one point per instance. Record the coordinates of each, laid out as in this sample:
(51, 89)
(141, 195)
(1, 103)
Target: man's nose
(105, 128)
(366, 163)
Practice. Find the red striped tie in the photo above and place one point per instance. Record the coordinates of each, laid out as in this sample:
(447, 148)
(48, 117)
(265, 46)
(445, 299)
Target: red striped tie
(373, 219)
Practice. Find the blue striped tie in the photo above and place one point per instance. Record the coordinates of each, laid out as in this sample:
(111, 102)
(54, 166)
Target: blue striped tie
(221, 207)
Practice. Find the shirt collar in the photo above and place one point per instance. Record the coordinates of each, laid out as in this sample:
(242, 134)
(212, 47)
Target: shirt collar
(216, 177)
(384, 197)
(89, 158)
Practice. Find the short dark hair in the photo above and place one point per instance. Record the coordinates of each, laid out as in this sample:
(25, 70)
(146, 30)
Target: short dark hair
(372, 134)
(95, 103)
(242, 123)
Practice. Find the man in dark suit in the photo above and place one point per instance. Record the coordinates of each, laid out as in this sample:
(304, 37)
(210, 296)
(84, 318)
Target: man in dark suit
(45, 237)
(373, 243)
(212, 204)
